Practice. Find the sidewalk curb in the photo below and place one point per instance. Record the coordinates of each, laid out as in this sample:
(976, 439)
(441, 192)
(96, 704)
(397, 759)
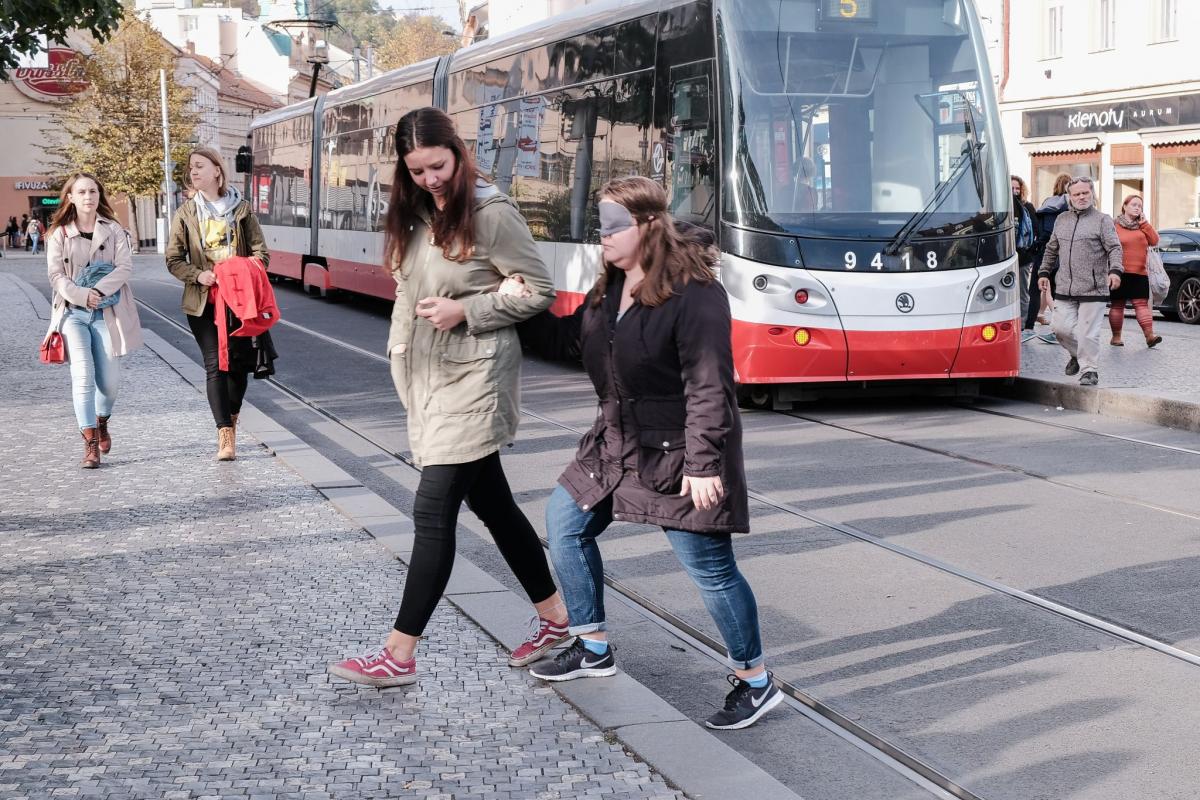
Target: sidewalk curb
(1121, 403)
(692, 759)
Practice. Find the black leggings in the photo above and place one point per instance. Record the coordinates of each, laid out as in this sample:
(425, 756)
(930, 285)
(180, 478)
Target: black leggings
(225, 389)
(435, 516)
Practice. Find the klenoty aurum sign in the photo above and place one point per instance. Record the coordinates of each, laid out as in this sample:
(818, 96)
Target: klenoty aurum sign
(1124, 115)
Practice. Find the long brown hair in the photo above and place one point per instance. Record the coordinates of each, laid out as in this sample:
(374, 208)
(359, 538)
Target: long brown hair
(668, 255)
(66, 209)
(1024, 191)
(1061, 183)
(453, 227)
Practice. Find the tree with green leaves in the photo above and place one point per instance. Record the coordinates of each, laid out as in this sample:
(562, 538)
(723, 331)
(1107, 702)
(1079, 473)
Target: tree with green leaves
(113, 129)
(24, 22)
(415, 38)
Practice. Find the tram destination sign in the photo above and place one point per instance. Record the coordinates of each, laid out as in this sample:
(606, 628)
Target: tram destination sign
(1130, 115)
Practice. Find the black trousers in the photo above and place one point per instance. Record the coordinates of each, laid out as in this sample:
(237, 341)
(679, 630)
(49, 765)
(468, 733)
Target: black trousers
(225, 389)
(435, 516)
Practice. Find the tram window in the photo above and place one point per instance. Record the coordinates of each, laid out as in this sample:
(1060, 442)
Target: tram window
(635, 42)
(691, 153)
(629, 143)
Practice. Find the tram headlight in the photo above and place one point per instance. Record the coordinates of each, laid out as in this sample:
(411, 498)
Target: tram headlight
(988, 333)
(989, 294)
(802, 337)
(760, 282)
(1008, 280)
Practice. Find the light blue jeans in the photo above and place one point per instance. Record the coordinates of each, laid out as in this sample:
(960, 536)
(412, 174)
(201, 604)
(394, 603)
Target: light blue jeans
(95, 375)
(34, 239)
(707, 559)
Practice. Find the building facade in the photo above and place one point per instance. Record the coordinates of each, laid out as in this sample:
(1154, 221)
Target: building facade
(1108, 89)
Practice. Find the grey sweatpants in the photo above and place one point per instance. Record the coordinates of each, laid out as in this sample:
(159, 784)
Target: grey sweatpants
(1077, 327)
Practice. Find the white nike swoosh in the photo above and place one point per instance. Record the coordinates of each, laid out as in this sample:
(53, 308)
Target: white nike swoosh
(589, 664)
(759, 701)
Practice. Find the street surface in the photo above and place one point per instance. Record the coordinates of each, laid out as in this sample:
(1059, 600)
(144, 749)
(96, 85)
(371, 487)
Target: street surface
(967, 665)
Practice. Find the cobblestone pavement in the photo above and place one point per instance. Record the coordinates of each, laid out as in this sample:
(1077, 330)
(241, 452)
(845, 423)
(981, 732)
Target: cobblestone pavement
(167, 621)
(1172, 369)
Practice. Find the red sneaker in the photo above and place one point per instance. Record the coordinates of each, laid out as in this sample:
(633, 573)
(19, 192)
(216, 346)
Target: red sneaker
(379, 670)
(543, 635)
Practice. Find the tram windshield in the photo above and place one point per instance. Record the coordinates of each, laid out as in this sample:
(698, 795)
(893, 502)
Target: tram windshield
(858, 119)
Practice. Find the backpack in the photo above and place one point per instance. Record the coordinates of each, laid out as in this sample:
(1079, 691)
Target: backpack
(1045, 225)
(1025, 237)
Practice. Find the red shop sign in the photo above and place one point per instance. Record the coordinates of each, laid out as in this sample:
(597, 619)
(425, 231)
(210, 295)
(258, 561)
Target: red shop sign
(56, 83)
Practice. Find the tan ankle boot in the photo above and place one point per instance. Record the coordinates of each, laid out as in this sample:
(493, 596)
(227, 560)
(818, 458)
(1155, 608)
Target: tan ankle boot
(91, 449)
(102, 431)
(226, 445)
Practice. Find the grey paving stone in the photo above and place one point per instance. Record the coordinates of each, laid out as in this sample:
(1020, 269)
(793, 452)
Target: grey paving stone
(168, 620)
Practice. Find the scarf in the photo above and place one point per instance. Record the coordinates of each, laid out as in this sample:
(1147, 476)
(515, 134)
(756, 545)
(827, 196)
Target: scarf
(1127, 223)
(217, 227)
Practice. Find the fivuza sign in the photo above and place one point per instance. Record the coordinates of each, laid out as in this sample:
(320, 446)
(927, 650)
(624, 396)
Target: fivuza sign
(1128, 116)
(33, 186)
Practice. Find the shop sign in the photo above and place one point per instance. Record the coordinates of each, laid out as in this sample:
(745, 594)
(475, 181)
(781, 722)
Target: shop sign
(57, 83)
(32, 186)
(1132, 115)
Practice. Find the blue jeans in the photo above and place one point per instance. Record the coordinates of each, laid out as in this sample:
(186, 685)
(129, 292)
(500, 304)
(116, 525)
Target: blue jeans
(34, 238)
(708, 560)
(95, 375)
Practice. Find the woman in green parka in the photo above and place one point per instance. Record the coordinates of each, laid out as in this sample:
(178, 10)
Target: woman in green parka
(452, 238)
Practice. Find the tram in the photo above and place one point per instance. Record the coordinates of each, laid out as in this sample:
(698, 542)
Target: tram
(845, 154)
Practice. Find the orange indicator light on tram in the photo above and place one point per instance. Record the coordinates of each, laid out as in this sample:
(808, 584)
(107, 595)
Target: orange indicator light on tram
(989, 333)
(802, 337)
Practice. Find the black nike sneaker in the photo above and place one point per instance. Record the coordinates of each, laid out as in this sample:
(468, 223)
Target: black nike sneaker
(575, 662)
(745, 704)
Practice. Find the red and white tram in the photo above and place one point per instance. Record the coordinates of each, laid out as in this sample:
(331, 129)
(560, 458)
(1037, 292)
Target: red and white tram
(845, 154)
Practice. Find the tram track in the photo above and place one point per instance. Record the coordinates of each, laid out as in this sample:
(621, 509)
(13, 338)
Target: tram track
(912, 767)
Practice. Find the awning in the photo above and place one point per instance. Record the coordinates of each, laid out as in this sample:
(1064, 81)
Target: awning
(1159, 137)
(1052, 145)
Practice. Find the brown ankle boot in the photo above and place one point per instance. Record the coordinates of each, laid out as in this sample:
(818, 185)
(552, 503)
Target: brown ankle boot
(226, 445)
(91, 449)
(102, 430)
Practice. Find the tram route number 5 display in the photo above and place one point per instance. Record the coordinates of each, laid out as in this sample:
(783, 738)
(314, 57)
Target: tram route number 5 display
(856, 10)
(906, 259)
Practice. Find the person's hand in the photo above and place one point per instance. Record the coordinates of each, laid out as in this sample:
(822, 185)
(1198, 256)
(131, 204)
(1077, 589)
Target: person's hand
(1114, 282)
(514, 285)
(1043, 284)
(442, 312)
(206, 278)
(706, 492)
(93, 299)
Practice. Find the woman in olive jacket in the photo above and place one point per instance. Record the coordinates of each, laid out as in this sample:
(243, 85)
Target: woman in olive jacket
(215, 224)
(666, 447)
(456, 359)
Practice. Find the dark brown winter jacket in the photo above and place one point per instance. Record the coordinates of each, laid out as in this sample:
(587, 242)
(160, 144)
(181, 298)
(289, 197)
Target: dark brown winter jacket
(664, 377)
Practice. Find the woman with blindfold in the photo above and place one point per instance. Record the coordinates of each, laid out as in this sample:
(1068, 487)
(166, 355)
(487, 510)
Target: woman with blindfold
(452, 237)
(666, 448)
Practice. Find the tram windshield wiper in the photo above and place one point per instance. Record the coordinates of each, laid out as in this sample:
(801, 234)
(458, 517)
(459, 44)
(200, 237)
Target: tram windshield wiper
(970, 158)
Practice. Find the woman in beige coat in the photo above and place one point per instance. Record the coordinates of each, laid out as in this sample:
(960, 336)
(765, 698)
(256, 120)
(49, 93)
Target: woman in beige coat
(452, 238)
(97, 331)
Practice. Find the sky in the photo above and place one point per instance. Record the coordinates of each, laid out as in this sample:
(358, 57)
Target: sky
(446, 9)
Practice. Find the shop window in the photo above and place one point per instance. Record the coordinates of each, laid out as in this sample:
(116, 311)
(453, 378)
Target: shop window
(1177, 191)
(1052, 38)
(1045, 175)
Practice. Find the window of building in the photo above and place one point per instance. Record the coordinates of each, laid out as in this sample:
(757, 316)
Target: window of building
(1046, 172)
(1104, 25)
(1177, 189)
(1164, 21)
(1052, 40)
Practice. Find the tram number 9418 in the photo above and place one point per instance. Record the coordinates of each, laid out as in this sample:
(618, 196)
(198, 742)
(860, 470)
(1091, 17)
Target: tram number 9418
(908, 261)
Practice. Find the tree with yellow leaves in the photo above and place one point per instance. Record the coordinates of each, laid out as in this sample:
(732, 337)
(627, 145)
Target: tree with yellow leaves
(113, 129)
(414, 38)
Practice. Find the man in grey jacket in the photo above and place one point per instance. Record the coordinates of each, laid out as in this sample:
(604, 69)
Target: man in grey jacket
(1084, 255)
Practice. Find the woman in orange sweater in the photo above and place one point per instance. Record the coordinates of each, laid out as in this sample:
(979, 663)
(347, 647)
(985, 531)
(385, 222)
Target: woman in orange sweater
(1137, 237)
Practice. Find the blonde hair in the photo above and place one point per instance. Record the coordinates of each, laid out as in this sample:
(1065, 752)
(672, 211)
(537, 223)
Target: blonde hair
(215, 157)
